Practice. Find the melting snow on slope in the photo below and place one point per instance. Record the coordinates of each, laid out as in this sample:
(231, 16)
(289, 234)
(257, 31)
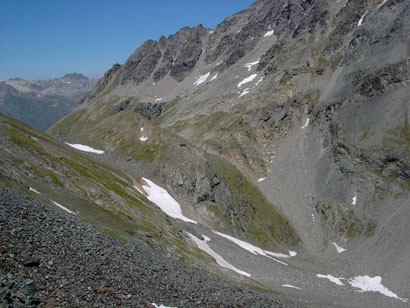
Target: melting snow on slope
(290, 286)
(218, 258)
(142, 129)
(158, 99)
(339, 249)
(269, 33)
(164, 201)
(63, 208)
(246, 91)
(143, 138)
(306, 124)
(373, 284)
(214, 77)
(313, 217)
(361, 19)
(34, 138)
(261, 179)
(335, 280)
(249, 65)
(202, 79)
(381, 4)
(84, 148)
(256, 250)
(354, 199)
(259, 81)
(247, 79)
(33, 190)
(161, 306)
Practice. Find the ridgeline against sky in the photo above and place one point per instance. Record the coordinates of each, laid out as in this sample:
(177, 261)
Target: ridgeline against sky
(47, 39)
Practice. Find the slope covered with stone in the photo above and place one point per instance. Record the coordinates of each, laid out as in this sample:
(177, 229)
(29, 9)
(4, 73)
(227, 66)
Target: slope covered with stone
(292, 107)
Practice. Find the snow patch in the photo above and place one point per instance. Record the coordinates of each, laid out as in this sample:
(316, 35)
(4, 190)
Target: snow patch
(161, 306)
(255, 250)
(269, 33)
(246, 91)
(290, 286)
(247, 79)
(143, 138)
(339, 249)
(354, 199)
(84, 148)
(259, 81)
(33, 190)
(381, 4)
(292, 253)
(142, 129)
(214, 77)
(63, 208)
(313, 217)
(158, 99)
(361, 19)
(164, 201)
(218, 258)
(249, 65)
(306, 124)
(335, 280)
(373, 284)
(34, 138)
(261, 179)
(202, 79)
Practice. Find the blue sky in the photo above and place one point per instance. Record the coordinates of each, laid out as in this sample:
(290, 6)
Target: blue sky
(42, 39)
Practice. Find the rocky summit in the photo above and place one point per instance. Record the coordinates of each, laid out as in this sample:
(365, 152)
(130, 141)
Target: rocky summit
(263, 163)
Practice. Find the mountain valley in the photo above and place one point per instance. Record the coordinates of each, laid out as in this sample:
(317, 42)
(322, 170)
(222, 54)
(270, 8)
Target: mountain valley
(263, 163)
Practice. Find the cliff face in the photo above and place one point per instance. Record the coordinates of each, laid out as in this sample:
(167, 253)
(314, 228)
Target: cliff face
(291, 107)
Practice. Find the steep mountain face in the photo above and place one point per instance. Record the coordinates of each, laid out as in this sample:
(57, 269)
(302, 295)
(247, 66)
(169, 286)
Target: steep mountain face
(287, 124)
(41, 103)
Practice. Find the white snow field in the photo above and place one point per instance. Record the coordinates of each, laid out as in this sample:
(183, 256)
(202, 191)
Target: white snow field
(161, 306)
(306, 124)
(269, 33)
(33, 190)
(63, 207)
(202, 244)
(339, 249)
(84, 148)
(256, 250)
(250, 64)
(373, 284)
(290, 286)
(246, 91)
(164, 201)
(247, 79)
(214, 77)
(201, 79)
(335, 280)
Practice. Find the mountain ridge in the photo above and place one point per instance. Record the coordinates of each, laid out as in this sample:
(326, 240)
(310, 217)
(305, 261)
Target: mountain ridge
(41, 103)
(285, 128)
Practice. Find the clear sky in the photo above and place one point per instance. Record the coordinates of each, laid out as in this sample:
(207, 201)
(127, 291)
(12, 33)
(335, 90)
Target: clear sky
(42, 39)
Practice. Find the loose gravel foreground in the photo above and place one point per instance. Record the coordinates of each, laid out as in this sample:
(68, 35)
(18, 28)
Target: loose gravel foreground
(49, 259)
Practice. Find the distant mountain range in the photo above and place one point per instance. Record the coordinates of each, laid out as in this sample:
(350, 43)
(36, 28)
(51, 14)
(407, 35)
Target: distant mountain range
(41, 103)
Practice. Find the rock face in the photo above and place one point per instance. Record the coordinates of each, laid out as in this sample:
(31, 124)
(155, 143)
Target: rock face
(293, 116)
(41, 103)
